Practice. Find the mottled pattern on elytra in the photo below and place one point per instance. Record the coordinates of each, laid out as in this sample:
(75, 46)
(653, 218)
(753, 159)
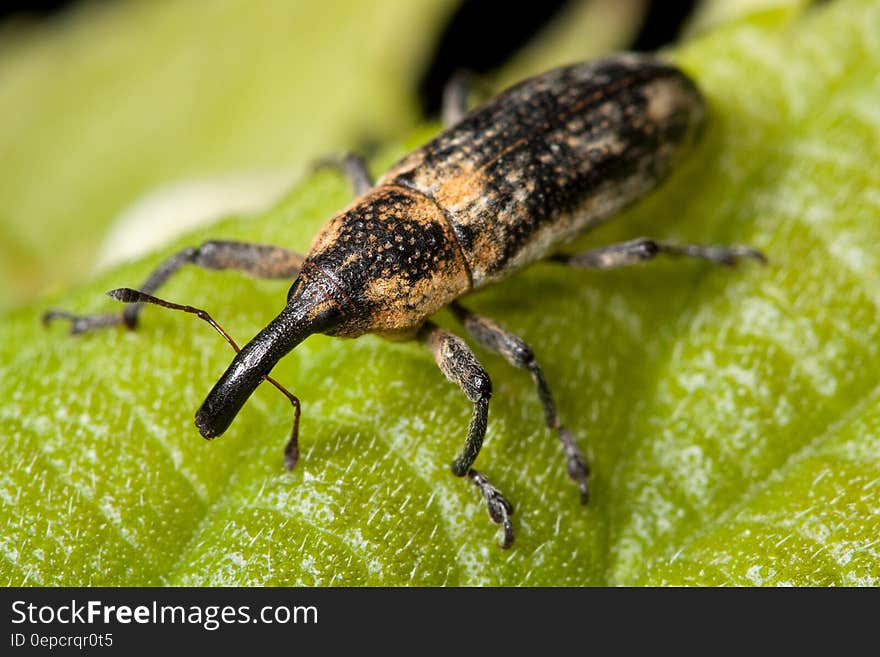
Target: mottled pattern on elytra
(553, 156)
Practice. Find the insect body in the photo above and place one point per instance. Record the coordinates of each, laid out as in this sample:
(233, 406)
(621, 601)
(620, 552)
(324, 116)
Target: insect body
(502, 187)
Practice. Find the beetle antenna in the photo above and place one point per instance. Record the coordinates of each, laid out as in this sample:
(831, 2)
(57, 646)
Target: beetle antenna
(129, 295)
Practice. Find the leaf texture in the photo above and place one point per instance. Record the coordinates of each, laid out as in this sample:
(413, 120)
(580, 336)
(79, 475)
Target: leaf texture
(731, 417)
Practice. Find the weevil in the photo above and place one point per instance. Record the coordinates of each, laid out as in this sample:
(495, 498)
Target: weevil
(502, 186)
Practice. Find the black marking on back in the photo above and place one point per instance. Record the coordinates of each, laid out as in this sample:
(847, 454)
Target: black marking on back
(546, 136)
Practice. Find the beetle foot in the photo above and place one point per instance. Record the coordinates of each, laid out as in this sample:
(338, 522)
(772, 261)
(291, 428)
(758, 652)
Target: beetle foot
(500, 509)
(291, 454)
(737, 253)
(575, 463)
(83, 323)
(728, 256)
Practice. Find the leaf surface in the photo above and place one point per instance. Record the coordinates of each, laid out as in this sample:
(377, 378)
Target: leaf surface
(732, 417)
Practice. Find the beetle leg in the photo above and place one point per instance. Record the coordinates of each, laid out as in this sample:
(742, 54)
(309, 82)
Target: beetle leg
(458, 363)
(457, 92)
(500, 509)
(353, 167)
(259, 260)
(455, 98)
(642, 249)
(460, 366)
(516, 352)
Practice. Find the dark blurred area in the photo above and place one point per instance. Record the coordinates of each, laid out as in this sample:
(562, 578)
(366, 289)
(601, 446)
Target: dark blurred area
(39, 8)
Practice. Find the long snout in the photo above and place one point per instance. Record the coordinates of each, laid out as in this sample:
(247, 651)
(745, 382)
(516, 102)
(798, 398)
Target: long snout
(303, 316)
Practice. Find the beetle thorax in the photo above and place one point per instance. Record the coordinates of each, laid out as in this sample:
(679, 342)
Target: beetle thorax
(391, 259)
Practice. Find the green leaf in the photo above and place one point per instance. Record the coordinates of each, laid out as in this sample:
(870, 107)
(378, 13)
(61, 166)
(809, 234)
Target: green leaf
(732, 417)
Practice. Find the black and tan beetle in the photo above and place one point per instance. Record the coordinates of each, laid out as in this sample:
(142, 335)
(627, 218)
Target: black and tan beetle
(503, 186)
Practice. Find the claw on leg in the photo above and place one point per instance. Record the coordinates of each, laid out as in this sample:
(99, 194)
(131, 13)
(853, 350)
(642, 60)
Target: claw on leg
(500, 509)
(575, 463)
